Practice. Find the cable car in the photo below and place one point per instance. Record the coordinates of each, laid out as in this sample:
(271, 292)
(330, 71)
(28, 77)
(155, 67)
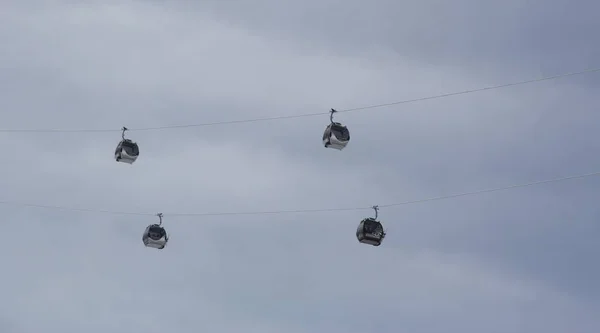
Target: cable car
(336, 135)
(370, 231)
(155, 236)
(127, 151)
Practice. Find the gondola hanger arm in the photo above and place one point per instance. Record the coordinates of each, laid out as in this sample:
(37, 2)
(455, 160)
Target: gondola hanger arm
(331, 115)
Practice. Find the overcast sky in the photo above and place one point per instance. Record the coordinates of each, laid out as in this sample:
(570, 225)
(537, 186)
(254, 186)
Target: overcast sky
(524, 260)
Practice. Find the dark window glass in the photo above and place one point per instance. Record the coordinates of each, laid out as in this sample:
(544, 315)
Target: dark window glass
(130, 148)
(373, 228)
(341, 132)
(156, 233)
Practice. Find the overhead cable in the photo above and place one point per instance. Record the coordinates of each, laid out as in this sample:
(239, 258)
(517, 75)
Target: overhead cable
(317, 210)
(254, 120)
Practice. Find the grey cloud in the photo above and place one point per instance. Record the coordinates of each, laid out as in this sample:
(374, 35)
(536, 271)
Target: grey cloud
(537, 35)
(517, 261)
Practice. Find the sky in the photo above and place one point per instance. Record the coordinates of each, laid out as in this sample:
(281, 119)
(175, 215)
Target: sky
(523, 260)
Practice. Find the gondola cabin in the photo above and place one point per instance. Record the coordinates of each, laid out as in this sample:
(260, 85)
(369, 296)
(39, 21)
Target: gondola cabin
(127, 151)
(370, 231)
(336, 136)
(155, 236)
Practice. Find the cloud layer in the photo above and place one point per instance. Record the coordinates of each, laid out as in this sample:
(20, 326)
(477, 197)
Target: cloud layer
(514, 261)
